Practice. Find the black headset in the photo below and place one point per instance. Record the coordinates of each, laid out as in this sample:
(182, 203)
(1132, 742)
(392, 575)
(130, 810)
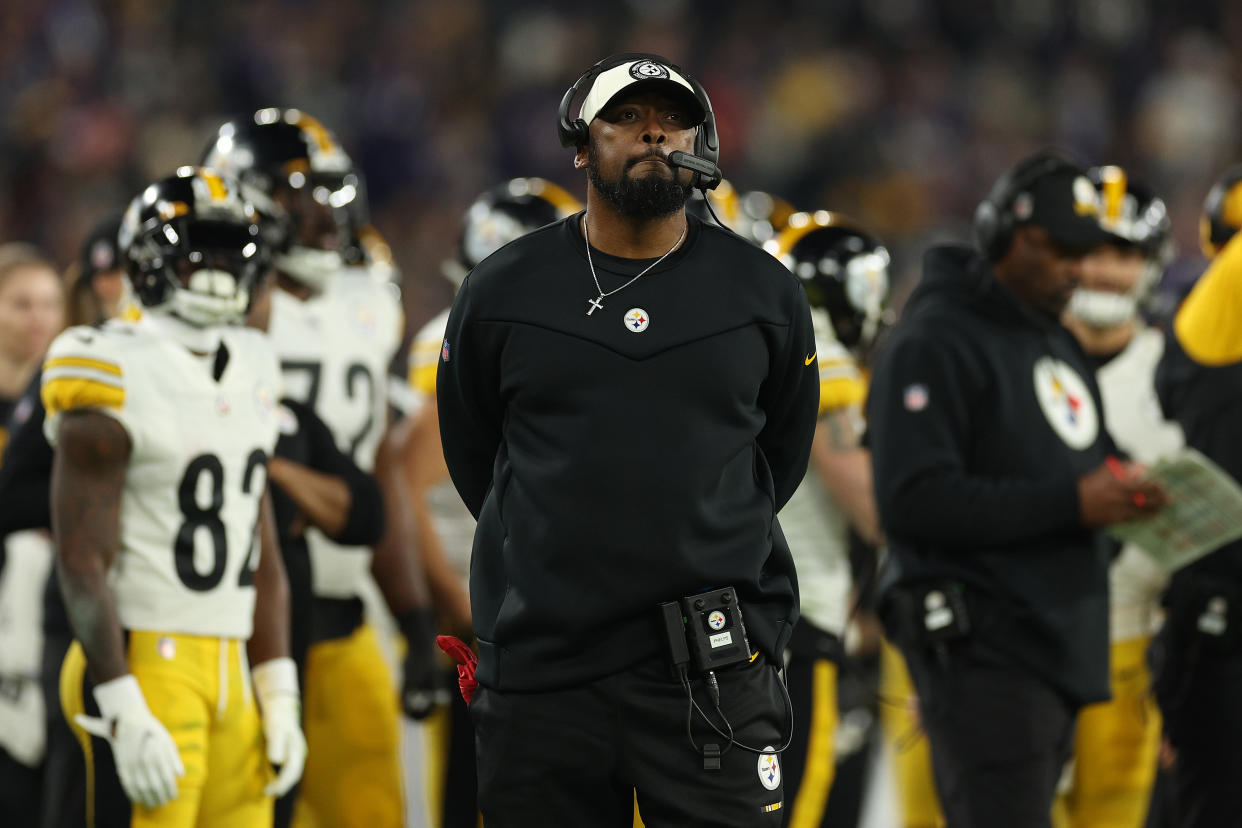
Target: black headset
(573, 132)
(994, 217)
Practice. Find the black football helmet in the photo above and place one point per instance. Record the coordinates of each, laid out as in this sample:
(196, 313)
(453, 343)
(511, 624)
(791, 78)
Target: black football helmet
(1222, 212)
(1132, 212)
(299, 178)
(504, 213)
(192, 247)
(1136, 218)
(844, 271)
(763, 215)
(362, 245)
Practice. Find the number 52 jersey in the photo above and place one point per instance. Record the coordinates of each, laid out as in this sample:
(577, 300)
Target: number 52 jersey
(201, 429)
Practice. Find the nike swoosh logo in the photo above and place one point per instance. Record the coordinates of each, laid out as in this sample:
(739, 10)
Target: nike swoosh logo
(811, 358)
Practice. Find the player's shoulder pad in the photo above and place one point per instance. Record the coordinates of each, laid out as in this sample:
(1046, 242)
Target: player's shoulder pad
(85, 368)
(841, 383)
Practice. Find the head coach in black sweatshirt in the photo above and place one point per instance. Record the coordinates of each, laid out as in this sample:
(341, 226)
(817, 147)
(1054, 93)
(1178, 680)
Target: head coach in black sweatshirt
(627, 397)
(989, 449)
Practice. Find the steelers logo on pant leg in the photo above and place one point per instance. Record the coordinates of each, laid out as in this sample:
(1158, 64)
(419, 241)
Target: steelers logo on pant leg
(769, 770)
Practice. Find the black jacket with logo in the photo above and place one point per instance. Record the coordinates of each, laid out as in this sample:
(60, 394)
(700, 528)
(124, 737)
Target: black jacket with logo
(611, 468)
(983, 413)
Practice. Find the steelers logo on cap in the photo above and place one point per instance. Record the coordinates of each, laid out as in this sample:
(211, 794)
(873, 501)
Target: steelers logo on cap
(647, 70)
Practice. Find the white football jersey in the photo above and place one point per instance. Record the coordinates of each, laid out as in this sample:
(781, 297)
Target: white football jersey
(1133, 416)
(453, 522)
(197, 468)
(335, 349)
(815, 527)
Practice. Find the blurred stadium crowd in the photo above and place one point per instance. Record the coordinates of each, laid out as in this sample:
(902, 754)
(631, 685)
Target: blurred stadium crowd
(894, 111)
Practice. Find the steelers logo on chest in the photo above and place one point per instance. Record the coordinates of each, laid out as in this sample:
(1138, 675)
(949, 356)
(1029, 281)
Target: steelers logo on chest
(636, 320)
(1066, 402)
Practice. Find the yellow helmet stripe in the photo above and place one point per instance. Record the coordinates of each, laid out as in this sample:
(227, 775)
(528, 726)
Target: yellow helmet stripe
(1113, 185)
(557, 196)
(215, 184)
(802, 224)
(317, 131)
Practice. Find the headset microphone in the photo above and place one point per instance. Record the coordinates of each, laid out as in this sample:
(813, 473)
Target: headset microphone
(709, 173)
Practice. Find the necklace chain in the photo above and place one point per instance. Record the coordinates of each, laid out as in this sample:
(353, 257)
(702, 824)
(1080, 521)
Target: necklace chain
(597, 303)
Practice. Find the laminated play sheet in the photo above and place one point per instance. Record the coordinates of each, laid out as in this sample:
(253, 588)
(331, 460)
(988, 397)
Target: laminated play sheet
(1204, 513)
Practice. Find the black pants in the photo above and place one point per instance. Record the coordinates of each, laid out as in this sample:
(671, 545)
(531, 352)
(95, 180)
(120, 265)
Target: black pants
(1199, 689)
(20, 791)
(461, 786)
(576, 757)
(64, 787)
(999, 738)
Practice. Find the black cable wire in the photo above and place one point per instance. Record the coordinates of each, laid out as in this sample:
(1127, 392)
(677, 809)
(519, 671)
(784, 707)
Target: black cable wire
(707, 202)
(728, 737)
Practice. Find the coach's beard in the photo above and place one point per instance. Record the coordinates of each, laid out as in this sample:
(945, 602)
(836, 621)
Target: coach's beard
(649, 196)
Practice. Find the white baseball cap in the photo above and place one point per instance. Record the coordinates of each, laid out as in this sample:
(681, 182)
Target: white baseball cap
(612, 82)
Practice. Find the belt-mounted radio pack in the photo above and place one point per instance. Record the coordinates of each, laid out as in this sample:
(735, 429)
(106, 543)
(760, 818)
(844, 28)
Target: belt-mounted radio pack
(705, 631)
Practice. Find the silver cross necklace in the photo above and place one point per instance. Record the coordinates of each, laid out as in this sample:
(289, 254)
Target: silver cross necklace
(598, 302)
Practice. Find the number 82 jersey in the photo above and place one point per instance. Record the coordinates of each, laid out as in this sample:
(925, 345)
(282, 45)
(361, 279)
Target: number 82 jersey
(197, 467)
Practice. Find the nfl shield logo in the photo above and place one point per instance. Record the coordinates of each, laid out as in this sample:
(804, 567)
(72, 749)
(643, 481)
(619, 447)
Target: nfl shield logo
(915, 397)
(444, 352)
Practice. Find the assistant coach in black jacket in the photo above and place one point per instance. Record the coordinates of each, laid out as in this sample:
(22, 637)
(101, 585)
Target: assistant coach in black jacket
(989, 449)
(625, 416)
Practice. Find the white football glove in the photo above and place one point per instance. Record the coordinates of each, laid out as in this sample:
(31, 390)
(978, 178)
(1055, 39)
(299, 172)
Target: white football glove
(276, 687)
(145, 754)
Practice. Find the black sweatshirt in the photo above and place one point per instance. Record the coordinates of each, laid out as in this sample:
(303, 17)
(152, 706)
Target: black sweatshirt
(612, 469)
(1206, 400)
(976, 478)
(308, 441)
(25, 466)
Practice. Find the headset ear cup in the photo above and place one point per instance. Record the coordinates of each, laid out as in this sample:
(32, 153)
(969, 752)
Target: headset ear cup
(985, 227)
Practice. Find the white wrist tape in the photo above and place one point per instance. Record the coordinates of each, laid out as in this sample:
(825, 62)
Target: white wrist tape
(118, 695)
(275, 677)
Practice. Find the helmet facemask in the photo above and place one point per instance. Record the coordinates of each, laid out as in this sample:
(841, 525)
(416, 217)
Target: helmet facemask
(314, 203)
(202, 271)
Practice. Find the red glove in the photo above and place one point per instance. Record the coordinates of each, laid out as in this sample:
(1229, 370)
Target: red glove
(466, 662)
